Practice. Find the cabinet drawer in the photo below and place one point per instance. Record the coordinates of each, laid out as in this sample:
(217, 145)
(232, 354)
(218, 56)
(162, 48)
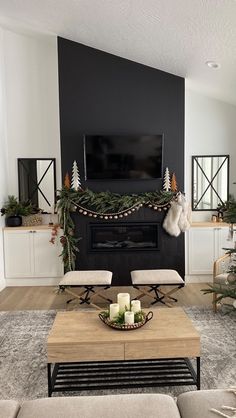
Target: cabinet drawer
(162, 349)
(59, 353)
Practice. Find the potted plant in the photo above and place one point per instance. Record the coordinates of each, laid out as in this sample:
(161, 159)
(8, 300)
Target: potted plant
(14, 211)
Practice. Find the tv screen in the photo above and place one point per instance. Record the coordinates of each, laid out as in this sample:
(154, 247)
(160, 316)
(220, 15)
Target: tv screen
(121, 157)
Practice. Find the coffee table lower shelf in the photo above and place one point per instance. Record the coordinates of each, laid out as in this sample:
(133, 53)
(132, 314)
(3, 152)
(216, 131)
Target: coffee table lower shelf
(63, 377)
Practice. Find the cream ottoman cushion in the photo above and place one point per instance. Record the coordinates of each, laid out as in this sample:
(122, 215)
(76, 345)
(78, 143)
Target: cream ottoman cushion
(161, 276)
(87, 278)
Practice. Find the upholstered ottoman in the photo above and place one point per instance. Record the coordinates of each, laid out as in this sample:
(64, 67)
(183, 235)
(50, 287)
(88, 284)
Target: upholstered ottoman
(155, 280)
(90, 281)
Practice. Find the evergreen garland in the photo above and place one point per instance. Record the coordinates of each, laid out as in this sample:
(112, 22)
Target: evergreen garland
(104, 205)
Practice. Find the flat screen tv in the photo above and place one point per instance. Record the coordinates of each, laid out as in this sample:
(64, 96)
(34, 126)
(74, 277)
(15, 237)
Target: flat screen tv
(123, 157)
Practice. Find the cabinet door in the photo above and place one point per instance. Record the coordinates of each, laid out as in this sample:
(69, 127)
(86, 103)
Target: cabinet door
(47, 262)
(18, 253)
(202, 244)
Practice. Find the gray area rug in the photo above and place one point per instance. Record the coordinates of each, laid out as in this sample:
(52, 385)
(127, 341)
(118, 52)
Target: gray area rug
(23, 370)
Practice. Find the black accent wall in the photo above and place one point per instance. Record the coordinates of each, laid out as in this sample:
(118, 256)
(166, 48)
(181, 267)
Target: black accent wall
(101, 93)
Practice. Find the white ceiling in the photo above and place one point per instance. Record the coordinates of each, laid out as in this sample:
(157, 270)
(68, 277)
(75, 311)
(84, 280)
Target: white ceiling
(177, 36)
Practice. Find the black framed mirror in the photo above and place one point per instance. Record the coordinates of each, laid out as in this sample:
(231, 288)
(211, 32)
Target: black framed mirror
(37, 182)
(210, 181)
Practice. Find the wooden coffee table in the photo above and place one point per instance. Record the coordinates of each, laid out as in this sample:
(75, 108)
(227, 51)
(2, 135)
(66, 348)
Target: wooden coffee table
(87, 354)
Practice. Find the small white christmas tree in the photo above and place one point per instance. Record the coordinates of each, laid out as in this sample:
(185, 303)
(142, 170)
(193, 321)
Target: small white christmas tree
(166, 183)
(75, 180)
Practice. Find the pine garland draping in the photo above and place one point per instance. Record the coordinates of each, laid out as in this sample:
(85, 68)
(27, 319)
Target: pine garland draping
(102, 205)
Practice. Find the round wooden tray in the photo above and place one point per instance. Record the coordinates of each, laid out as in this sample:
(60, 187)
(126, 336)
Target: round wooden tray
(126, 327)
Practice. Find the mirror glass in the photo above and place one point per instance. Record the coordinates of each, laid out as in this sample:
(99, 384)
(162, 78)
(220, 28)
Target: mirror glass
(37, 182)
(210, 181)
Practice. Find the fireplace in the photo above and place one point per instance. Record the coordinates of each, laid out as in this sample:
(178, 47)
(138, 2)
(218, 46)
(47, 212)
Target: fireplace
(129, 236)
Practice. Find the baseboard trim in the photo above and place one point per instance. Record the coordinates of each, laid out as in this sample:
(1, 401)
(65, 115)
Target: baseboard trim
(2, 287)
(52, 281)
(203, 278)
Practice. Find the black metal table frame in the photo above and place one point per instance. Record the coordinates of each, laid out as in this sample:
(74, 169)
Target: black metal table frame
(117, 374)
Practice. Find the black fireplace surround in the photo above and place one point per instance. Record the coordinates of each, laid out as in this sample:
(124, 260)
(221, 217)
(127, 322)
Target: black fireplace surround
(127, 236)
(100, 93)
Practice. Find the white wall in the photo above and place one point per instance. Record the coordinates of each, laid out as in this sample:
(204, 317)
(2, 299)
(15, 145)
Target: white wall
(3, 155)
(32, 101)
(29, 108)
(210, 129)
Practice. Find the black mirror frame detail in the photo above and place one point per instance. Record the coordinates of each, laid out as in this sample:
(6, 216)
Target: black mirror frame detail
(210, 181)
(52, 161)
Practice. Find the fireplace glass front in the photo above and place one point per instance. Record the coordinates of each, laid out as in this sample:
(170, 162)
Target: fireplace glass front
(123, 237)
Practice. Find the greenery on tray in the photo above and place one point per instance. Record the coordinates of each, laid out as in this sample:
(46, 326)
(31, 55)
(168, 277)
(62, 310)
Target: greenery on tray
(104, 205)
(120, 319)
(12, 207)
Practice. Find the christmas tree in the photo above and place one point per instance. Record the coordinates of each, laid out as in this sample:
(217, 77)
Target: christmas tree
(67, 181)
(228, 290)
(166, 183)
(75, 181)
(174, 185)
(229, 211)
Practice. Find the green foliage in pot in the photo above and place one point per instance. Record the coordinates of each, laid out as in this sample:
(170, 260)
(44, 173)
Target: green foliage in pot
(12, 207)
(228, 209)
(229, 214)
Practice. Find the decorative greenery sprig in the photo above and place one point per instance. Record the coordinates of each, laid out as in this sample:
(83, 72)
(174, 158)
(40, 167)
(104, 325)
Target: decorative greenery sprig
(120, 318)
(222, 291)
(68, 240)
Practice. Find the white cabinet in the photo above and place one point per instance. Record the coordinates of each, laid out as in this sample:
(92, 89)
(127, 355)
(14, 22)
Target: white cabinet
(28, 253)
(204, 245)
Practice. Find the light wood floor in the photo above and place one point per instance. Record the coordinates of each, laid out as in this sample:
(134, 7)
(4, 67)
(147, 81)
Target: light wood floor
(45, 297)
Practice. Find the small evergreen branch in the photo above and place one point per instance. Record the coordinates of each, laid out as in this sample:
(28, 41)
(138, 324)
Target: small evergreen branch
(120, 318)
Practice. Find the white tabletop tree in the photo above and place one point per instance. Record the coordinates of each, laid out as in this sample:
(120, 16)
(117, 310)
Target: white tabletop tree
(166, 182)
(75, 180)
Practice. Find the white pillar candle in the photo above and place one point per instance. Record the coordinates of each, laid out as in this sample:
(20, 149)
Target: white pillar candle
(129, 317)
(124, 301)
(135, 306)
(113, 311)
